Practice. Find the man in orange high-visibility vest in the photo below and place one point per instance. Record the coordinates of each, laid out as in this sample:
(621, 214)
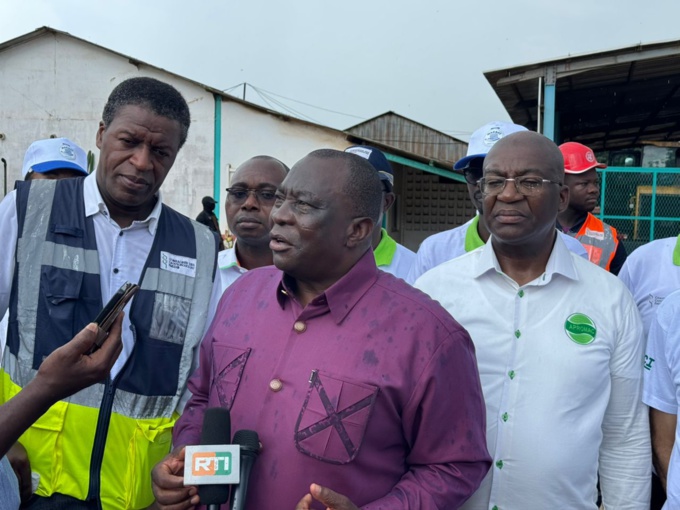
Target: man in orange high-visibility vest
(598, 238)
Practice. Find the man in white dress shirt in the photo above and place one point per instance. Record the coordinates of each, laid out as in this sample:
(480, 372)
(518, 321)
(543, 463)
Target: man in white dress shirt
(450, 244)
(559, 347)
(250, 198)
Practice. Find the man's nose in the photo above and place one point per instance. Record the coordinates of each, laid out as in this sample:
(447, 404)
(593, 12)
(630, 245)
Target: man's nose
(141, 158)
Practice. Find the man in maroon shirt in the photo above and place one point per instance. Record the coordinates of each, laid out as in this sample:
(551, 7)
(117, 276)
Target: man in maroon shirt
(364, 391)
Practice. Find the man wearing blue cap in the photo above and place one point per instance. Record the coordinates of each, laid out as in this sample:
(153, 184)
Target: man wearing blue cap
(450, 244)
(390, 256)
(54, 158)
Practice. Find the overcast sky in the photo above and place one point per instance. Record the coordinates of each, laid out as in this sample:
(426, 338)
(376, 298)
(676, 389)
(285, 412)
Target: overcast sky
(423, 59)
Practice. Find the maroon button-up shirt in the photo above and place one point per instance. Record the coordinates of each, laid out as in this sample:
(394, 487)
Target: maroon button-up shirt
(372, 390)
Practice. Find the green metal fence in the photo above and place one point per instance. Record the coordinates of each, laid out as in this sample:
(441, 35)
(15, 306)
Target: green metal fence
(643, 204)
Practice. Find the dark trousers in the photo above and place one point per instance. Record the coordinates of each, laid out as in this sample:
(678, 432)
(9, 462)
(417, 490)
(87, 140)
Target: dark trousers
(658, 494)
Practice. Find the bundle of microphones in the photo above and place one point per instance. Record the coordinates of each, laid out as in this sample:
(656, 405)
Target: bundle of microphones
(218, 467)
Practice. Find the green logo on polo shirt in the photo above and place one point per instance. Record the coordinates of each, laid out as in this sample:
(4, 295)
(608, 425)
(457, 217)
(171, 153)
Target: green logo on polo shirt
(580, 328)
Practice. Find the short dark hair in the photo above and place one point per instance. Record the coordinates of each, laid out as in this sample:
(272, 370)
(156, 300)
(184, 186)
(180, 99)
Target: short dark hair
(159, 97)
(362, 186)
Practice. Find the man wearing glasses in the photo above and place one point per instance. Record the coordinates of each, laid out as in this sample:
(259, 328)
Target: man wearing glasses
(559, 347)
(453, 243)
(249, 201)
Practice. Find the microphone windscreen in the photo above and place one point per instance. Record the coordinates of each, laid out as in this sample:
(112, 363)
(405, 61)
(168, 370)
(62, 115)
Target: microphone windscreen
(247, 439)
(216, 426)
(216, 430)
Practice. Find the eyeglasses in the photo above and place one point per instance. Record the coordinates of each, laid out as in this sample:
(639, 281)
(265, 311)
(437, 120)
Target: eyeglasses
(239, 195)
(527, 186)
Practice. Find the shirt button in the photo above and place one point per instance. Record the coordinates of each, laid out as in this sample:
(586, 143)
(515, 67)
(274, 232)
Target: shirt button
(520, 293)
(120, 233)
(115, 270)
(495, 508)
(275, 385)
(499, 464)
(505, 416)
(300, 327)
(511, 374)
(518, 334)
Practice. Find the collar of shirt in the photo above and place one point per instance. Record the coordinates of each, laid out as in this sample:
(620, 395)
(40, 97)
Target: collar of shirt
(472, 239)
(94, 204)
(676, 253)
(384, 252)
(228, 258)
(340, 297)
(559, 262)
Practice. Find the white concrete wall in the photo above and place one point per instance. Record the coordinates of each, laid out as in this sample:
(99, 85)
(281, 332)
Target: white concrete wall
(57, 85)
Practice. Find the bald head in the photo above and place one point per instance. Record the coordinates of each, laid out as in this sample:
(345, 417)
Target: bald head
(529, 142)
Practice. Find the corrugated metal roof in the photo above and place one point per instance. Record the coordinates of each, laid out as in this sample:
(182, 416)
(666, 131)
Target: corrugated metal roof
(397, 131)
(612, 99)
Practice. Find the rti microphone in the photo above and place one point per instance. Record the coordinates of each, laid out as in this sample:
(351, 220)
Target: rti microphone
(214, 464)
(249, 442)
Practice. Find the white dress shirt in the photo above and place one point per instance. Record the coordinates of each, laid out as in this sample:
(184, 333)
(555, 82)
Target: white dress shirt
(229, 267)
(560, 361)
(122, 254)
(450, 244)
(651, 274)
(662, 380)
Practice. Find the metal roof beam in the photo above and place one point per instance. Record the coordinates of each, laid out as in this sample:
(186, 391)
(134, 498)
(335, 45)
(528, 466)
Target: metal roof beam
(569, 67)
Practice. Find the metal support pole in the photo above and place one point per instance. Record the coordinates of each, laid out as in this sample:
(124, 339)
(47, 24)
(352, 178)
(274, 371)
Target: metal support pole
(217, 154)
(549, 91)
(539, 109)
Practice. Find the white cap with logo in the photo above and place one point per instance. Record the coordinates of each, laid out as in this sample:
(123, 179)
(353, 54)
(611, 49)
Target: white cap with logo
(484, 138)
(52, 154)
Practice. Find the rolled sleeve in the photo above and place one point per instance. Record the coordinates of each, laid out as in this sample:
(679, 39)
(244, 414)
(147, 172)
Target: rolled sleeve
(659, 388)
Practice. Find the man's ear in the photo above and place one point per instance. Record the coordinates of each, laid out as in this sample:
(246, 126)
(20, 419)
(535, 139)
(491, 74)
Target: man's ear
(388, 200)
(564, 199)
(359, 231)
(100, 133)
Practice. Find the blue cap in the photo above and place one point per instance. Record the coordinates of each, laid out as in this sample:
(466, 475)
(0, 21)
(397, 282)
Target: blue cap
(376, 158)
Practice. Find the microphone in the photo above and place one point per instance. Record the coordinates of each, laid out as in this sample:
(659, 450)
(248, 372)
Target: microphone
(216, 431)
(249, 442)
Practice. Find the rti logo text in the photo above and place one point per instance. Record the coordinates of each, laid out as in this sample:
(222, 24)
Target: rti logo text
(211, 463)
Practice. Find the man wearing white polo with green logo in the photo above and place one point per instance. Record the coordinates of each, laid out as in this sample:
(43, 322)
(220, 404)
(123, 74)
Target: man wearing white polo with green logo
(558, 343)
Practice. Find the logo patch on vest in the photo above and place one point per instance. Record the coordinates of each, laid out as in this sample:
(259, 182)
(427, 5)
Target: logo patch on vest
(595, 234)
(177, 264)
(580, 329)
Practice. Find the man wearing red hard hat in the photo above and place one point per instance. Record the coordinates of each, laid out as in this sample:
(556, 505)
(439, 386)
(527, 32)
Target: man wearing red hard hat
(598, 238)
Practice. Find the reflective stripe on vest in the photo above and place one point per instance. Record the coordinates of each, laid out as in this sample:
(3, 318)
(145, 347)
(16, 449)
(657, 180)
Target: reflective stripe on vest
(599, 240)
(56, 265)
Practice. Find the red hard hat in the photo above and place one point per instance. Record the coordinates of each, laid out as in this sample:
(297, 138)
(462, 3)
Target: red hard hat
(578, 158)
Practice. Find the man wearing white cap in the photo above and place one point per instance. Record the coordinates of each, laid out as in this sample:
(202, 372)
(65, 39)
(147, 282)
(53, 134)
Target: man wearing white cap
(54, 158)
(453, 243)
(599, 239)
(390, 256)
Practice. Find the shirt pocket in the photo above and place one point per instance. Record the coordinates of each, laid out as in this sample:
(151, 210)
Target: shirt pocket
(333, 420)
(228, 365)
(61, 292)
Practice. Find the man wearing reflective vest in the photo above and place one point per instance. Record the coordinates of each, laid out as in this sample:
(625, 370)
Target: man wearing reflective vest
(599, 239)
(67, 246)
